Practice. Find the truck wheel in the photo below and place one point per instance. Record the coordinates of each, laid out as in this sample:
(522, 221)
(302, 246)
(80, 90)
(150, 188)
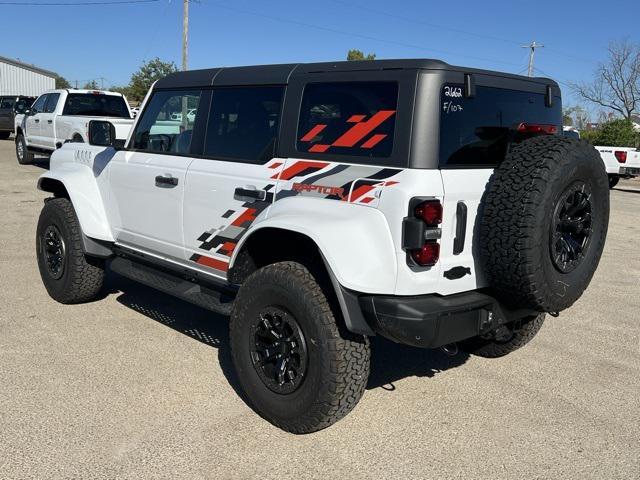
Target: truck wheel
(4, 135)
(67, 273)
(24, 156)
(300, 369)
(544, 223)
(507, 339)
(613, 180)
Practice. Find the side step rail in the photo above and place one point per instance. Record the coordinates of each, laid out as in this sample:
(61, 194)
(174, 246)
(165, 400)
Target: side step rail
(203, 296)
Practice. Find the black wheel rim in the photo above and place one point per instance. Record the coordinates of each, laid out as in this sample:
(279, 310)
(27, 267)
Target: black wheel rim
(20, 148)
(572, 226)
(279, 350)
(53, 251)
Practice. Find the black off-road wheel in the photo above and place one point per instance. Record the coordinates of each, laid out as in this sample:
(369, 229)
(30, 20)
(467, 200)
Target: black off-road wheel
(613, 180)
(24, 156)
(506, 339)
(298, 366)
(544, 223)
(67, 273)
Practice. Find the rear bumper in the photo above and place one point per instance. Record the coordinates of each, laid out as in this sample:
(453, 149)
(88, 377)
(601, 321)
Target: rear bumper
(431, 321)
(629, 171)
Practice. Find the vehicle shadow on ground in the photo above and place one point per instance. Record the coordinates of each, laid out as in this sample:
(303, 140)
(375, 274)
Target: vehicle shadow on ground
(390, 362)
(627, 190)
(41, 163)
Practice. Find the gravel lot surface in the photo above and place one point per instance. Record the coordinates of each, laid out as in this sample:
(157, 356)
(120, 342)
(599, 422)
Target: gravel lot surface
(140, 385)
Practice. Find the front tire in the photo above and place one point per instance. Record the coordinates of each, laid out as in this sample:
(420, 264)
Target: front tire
(24, 156)
(298, 366)
(67, 273)
(514, 336)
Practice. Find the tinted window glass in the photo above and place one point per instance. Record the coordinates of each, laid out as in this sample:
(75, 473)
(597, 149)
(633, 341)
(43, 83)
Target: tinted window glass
(243, 123)
(6, 102)
(96, 105)
(167, 122)
(38, 106)
(477, 131)
(52, 101)
(348, 118)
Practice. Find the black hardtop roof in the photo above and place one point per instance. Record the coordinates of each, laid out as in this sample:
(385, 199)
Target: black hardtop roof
(280, 74)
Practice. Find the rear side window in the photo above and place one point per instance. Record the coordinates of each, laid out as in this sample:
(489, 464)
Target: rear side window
(96, 105)
(243, 123)
(476, 131)
(167, 122)
(348, 118)
(6, 102)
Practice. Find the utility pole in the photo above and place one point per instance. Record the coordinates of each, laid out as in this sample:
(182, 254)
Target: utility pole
(185, 34)
(533, 47)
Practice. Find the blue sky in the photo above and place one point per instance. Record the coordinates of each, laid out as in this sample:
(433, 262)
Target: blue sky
(85, 42)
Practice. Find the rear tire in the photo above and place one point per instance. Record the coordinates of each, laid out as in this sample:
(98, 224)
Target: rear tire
(613, 180)
(67, 273)
(544, 223)
(325, 368)
(24, 156)
(520, 333)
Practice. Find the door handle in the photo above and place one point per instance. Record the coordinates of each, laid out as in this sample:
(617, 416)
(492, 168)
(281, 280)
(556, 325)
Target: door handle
(166, 181)
(37, 120)
(249, 194)
(49, 121)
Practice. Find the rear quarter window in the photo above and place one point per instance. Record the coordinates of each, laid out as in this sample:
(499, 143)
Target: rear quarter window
(348, 118)
(477, 131)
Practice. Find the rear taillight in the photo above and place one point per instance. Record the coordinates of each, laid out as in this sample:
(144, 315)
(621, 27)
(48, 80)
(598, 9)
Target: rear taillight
(429, 213)
(537, 128)
(620, 156)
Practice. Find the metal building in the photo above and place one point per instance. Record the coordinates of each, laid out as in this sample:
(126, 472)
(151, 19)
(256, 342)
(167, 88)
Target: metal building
(18, 78)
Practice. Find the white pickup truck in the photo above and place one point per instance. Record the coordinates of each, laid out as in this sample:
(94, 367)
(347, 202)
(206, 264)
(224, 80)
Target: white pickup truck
(620, 162)
(58, 116)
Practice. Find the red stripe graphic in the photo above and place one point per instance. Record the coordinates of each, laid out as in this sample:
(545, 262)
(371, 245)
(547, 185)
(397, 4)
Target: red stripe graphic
(366, 200)
(227, 248)
(213, 263)
(356, 118)
(311, 134)
(374, 140)
(247, 216)
(360, 191)
(275, 165)
(293, 170)
(361, 130)
(319, 148)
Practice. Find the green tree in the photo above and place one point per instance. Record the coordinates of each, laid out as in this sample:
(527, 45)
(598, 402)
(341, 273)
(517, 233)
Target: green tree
(354, 54)
(62, 82)
(148, 73)
(126, 90)
(616, 133)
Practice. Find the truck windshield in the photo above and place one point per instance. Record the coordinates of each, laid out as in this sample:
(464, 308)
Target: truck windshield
(96, 105)
(476, 132)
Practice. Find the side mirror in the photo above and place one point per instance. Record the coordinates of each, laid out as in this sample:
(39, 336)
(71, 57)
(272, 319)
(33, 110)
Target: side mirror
(102, 133)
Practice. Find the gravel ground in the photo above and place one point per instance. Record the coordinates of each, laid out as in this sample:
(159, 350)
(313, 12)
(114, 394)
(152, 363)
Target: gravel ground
(140, 385)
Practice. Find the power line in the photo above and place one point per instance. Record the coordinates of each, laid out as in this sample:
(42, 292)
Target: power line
(76, 4)
(358, 35)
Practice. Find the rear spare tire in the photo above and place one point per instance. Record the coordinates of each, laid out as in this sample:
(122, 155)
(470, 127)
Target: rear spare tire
(544, 222)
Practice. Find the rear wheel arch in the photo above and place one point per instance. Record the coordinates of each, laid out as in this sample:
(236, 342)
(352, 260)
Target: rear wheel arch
(269, 245)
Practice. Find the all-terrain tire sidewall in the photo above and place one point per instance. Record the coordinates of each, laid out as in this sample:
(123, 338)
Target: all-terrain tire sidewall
(325, 395)
(82, 277)
(517, 220)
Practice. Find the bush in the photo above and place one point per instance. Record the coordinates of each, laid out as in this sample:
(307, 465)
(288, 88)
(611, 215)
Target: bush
(616, 133)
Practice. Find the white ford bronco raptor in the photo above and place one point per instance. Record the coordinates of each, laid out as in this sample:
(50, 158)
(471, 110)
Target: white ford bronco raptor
(321, 204)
